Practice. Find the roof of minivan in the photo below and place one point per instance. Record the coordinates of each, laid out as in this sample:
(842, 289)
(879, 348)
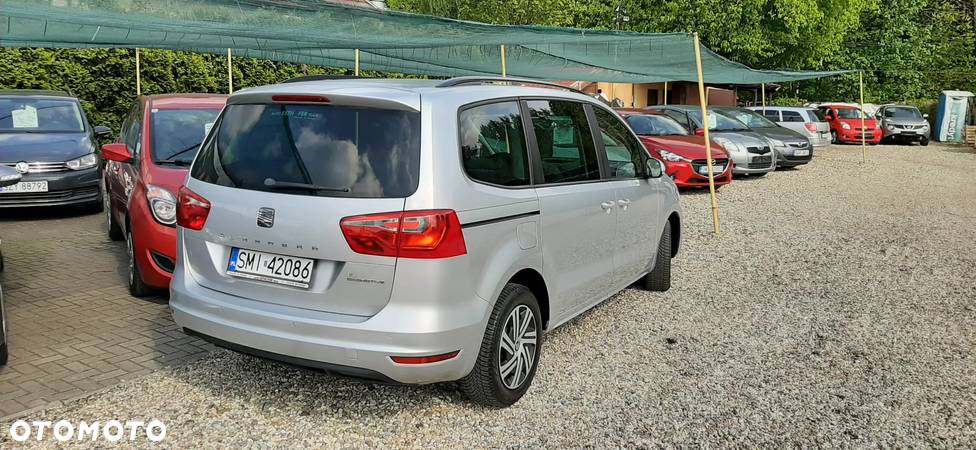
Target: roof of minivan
(35, 93)
(184, 100)
(403, 91)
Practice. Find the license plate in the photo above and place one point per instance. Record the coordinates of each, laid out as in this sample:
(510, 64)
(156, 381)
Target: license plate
(909, 132)
(270, 267)
(715, 170)
(803, 152)
(25, 186)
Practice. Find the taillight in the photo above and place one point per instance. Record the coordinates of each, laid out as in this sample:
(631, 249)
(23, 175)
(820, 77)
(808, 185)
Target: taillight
(408, 234)
(191, 209)
(811, 126)
(290, 98)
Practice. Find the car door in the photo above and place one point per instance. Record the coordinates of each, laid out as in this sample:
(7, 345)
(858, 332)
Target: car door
(578, 208)
(115, 176)
(128, 172)
(639, 221)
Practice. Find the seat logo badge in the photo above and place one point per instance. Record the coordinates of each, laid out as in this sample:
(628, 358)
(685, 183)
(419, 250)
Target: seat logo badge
(22, 167)
(266, 217)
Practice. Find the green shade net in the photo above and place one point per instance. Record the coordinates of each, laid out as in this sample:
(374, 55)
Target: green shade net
(325, 34)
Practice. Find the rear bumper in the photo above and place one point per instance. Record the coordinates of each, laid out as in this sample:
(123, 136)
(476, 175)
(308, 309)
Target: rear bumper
(345, 344)
(64, 188)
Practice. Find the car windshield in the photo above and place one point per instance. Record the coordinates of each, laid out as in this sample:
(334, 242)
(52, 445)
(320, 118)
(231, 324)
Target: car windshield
(850, 113)
(902, 112)
(318, 150)
(750, 118)
(654, 125)
(39, 115)
(718, 122)
(177, 133)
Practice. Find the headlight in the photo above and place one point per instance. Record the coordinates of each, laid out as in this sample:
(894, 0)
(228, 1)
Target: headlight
(85, 162)
(162, 203)
(891, 128)
(668, 156)
(776, 143)
(729, 145)
(845, 125)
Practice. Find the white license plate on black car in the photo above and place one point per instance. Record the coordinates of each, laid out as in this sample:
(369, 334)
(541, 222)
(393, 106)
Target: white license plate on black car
(25, 186)
(270, 267)
(804, 152)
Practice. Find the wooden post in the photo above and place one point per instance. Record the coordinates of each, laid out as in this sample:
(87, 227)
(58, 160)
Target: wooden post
(504, 63)
(864, 144)
(665, 92)
(708, 142)
(230, 74)
(138, 75)
(357, 62)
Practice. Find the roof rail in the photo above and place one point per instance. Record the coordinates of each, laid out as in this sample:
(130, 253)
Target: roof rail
(478, 80)
(323, 77)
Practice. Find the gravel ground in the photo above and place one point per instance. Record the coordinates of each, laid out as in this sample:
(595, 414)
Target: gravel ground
(837, 308)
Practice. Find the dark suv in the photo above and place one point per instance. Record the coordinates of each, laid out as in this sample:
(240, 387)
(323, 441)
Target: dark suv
(45, 136)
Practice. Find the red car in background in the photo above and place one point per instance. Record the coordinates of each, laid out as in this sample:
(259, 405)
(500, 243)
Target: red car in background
(845, 124)
(683, 153)
(144, 169)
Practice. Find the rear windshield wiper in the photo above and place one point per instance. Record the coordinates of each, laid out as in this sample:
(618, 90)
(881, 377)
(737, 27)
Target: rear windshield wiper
(283, 185)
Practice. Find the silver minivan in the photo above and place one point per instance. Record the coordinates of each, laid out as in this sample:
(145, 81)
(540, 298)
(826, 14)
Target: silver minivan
(415, 231)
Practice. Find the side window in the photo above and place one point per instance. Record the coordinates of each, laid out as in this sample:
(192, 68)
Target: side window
(625, 154)
(493, 144)
(772, 114)
(133, 133)
(565, 143)
(792, 116)
(680, 117)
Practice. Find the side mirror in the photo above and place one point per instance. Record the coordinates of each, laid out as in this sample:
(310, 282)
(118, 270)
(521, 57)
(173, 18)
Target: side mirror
(925, 116)
(8, 176)
(655, 168)
(103, 132)
(116, 152)
(699, 131)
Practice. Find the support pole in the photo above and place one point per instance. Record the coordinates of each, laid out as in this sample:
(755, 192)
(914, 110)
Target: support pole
(357, 62)
(230, 74)
(708, 142)
(138, 75)
(665, 92)
(864, 143)
(504, 63)
(763, 97)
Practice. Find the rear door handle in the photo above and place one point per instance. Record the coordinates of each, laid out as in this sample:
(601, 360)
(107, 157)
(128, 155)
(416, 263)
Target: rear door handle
(607, 206)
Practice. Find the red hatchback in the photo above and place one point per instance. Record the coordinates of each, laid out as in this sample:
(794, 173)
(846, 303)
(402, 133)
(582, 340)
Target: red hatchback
(144, 169)
(845, 124)
(683, 153)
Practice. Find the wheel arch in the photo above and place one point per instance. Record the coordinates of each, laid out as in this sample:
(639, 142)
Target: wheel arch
(675, 220)
(533, 280)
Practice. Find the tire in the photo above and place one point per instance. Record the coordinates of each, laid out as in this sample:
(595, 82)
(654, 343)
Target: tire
(3, 354)
(833, 137)
(137, 288)
(3, 334)
(486, 383)
(659, 278)
(924, 142)
(114, 230)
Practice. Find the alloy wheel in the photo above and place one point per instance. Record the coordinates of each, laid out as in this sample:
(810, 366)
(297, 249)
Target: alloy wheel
(517, 347)
(132, 257)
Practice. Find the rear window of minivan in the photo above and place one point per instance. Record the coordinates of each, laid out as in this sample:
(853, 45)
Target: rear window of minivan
(336, 151)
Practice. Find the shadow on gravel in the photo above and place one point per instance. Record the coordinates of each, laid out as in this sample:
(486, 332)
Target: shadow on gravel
(957, 149)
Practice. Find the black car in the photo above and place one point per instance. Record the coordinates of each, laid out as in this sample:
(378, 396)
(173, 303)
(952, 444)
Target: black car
(46, 137)
(8, 177)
